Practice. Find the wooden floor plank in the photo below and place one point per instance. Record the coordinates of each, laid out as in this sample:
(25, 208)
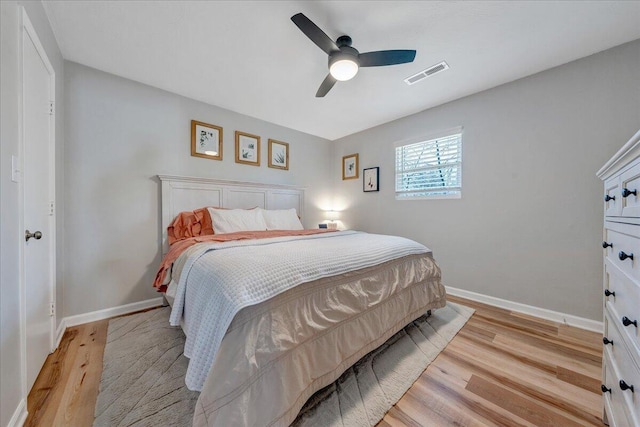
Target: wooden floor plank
(586, 382)
(46, 393)
(79, 399)
(585, 355)
(518, 405)
(547, 359)
(475, 381)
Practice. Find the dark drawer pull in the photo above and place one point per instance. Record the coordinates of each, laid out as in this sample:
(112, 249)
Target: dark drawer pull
(624, 386)
(608, 293)
(624, 256)
(605, 389)
(606, 341)
(606, 245)
(626, 322)
(608, 198)
(626, 192)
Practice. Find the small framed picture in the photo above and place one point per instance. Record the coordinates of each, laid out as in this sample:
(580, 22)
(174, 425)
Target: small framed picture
(206, 140)
(278, 154)
(350, 167)
(247, 149)
(371, 179)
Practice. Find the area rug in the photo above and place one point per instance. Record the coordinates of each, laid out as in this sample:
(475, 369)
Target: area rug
(143, 377)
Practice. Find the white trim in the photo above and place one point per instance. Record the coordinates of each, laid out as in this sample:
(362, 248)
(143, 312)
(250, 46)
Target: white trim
(21, 269)
(196, 179)
(20, 415)
(111, 312)
(429, 136)
(457, 195)
(26, 23)
(543, 313)
(62, 327)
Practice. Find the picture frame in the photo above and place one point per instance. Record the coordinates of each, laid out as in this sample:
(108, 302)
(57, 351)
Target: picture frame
(350, 167)
(206, 140)
(371, 179)
(278, 155)
(247, 149)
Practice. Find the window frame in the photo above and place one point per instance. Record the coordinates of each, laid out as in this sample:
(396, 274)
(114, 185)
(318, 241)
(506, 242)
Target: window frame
(425, 138)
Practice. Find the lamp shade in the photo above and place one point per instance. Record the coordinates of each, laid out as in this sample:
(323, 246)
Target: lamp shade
(331, 215)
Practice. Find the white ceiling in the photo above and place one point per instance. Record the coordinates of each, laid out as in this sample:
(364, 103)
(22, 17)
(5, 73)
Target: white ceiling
(247, 56)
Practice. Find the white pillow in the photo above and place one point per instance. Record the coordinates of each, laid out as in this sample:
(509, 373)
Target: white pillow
(234, 220)
(285, 219)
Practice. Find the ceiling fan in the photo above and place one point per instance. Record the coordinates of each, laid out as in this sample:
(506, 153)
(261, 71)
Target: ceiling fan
(344, 60)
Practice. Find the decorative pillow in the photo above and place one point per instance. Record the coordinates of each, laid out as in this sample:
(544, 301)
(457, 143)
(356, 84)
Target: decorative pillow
(190, 224)
(234, 220)
(285, 219)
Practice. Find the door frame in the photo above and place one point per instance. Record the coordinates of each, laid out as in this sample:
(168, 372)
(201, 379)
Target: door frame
(27, 28)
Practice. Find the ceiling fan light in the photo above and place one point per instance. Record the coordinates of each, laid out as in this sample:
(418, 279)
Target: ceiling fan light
(343, 69)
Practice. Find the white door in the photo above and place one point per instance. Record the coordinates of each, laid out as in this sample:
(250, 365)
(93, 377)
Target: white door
(39, 249)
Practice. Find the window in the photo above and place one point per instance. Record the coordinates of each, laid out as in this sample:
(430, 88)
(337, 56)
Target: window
(430, 168)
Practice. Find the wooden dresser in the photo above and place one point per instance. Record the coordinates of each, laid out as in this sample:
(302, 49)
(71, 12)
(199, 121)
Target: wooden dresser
(621, 244)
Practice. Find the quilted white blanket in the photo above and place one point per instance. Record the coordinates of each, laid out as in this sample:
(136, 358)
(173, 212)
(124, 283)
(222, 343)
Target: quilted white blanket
(219, 279)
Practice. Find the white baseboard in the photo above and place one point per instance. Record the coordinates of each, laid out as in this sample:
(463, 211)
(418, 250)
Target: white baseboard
(62, 327)
(110, 312)
(19, 416)
(556, 316)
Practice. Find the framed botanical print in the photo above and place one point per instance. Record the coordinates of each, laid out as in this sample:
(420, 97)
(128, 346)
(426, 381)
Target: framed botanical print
(371, 179)
(247, 148)
(278, 154)
(206, 140)
(350, 167)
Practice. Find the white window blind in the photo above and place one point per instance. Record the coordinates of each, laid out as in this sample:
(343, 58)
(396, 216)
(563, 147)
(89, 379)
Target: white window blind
(431, 168)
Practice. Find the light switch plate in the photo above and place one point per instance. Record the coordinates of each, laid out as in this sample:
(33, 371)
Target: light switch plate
(15, 169)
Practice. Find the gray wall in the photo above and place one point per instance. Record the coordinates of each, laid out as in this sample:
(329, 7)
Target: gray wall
(10, 234)
(529, 225)
(120, 135)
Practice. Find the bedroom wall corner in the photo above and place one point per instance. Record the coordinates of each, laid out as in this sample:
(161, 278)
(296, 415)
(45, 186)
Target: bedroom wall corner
(120, 135)
(528, 227)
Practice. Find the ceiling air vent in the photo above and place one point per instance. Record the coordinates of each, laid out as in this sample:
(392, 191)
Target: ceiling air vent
(435, 69)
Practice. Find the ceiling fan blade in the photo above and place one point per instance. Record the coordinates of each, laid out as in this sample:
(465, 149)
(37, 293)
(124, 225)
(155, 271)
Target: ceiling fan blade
(326, 86)
(316, 35)
(386, 57)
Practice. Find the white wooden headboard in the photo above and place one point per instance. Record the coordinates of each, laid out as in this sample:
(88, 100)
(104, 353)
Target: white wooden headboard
(182, 193)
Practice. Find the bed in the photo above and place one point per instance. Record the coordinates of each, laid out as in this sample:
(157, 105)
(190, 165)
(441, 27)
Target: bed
(271, 320)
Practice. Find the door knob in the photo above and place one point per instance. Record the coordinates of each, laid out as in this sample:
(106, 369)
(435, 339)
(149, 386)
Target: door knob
(36, 235)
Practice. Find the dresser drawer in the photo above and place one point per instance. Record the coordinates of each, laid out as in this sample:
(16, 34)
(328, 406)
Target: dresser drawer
(621, 409)
(612, 197)
(624, 373)
(624, 302)
(630, 183)
(614, 331)
(624, 251)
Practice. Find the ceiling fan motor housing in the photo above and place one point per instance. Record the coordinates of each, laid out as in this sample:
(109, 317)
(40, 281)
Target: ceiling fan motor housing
(344, 41)
(345, 52)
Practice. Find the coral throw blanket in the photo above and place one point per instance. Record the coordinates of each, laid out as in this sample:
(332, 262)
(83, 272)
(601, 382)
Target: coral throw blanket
(180, 246)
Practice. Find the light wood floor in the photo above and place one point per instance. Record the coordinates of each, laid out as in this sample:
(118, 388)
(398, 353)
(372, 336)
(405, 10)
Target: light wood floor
(502, 369)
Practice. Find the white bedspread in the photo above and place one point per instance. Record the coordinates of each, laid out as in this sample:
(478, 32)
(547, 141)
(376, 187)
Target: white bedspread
(220, 279)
